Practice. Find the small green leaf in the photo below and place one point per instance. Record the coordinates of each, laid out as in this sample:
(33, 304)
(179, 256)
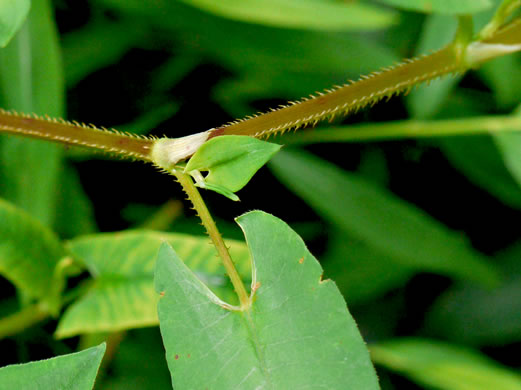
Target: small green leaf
(231, 161)
(381, 220)
(301, 14)
(296, 334)
(122, 264)
(12, 16)
(441, 6)
(444, 366)
(75, 371)
(29, 251)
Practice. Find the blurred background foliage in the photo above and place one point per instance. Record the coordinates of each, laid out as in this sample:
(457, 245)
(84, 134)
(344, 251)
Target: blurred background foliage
(421, 236)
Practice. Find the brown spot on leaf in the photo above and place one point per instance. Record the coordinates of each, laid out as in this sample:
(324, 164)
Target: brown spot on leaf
(301, 260)
(188, 356)
(176, 357)
(162, 293)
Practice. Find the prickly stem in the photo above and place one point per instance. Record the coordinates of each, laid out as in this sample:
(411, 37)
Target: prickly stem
(74, 133)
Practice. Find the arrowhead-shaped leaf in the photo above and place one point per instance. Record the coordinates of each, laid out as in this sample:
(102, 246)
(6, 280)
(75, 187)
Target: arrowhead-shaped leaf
(296, 334)
(122, 264)
(76, 371)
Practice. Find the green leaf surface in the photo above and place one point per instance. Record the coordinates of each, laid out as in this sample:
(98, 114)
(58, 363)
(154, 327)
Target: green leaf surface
(122, 265)
(12, 15)
(444, 366)
(231, 161)
(296, 334)
(75, 371)
(381, 220)
(441, 6)
(301, 14)
(29, 251)
(31, 81)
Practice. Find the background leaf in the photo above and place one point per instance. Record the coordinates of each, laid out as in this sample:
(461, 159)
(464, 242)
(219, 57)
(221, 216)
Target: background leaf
(300, 13)
(76, 371)
(482, 163)
(12, 15)
(297, 333)
(122, 265)
(444, 366)
(29, 251)
(31, 81)
(361, 272)
(127, 372)
(441, 6)
(380, 220)
(474, 316)
(508, 144)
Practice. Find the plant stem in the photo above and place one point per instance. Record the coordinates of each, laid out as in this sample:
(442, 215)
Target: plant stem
(350, 97)
(208, 222)
(164, 216)
(407, 129)
(340, 100)
(23, 319)
(73, 133)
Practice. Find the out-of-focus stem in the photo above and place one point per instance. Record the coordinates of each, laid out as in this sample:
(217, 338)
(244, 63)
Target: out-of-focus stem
(407, 129)
(23, 319)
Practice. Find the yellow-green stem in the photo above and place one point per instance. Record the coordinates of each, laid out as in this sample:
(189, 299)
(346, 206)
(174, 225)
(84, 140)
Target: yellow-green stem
(407, 129)
(23, 319)
(208, 222)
